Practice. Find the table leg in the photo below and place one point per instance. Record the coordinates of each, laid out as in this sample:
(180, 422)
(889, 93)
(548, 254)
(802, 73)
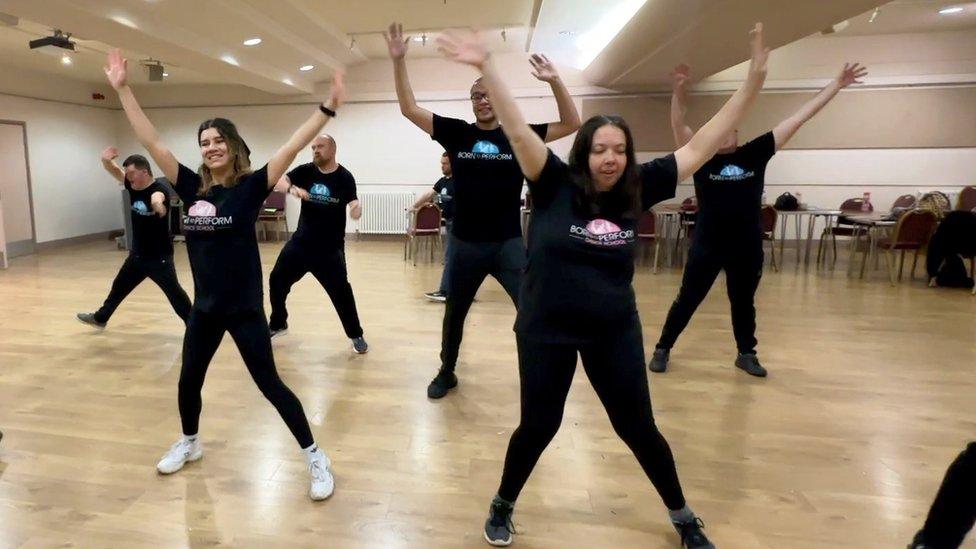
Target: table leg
(797, 224)
(811, 221)
(782, 237)
(855, 242)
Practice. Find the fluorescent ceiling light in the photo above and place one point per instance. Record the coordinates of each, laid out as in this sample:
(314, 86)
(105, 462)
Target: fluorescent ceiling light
(948, 11)
(229, 60)
(252, 41)
(305, 68)
(66, 59)
(594, 40)
(288, 81)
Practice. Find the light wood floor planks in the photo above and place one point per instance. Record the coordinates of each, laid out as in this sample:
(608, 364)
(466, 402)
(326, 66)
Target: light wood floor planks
(871, 395)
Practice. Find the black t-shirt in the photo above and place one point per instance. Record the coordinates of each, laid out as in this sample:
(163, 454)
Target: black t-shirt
(577, 286)
(150, 233)
(729, 188)
(445, 196)
(487, 180)
(221, 241)
(322, 222)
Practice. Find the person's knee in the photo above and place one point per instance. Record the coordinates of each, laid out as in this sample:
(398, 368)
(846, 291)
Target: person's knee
(542, 425)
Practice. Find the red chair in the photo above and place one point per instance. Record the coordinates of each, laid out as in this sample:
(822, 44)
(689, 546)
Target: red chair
(686, 224)
(273, 211)
(967, 199)
(769, 216)
(842, 228)
(646, 235)
(425, 227)
(905, 201)
(912, 232)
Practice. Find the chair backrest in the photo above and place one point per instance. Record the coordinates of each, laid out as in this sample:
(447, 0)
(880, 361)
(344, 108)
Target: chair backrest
(905, 201)
(967, 199)
(646, 224)
(768, 218)
(854, 205)
(428, 218)
(689, 204)
(915, 228)
(275, 201)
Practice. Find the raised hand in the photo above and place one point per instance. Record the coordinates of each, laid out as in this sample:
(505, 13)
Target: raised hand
(110, 154)
(760, 53)
(396, 43)
(680, 79)
(542, 68)
(117, 69)
(851, 74)
(463, 46)
(338, 92)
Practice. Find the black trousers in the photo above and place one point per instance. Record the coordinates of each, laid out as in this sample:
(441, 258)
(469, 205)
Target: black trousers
(204, 331)
(471, 263)
(329, 268)
(743, 270)
(133, 272)
(954, 511)
(615, 367)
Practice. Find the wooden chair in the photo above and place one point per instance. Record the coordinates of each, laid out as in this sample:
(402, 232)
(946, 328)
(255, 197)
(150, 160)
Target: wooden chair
(273, 211)
(425, 225)
(912, 232)
(647, 235)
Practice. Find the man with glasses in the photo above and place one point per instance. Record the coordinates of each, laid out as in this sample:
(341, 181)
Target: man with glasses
(487, 235)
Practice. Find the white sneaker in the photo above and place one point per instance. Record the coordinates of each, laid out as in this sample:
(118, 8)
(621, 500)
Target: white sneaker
(322, 483)
(178, 456)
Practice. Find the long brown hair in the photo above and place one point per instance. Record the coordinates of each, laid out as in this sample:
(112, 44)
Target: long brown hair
(236, 147)
(624, 199)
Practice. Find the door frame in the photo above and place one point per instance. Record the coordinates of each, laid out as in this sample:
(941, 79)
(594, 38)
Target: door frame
(30, 186)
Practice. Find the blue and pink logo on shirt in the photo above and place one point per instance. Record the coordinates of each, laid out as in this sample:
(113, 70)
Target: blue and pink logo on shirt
(601, 232)
(202, 217)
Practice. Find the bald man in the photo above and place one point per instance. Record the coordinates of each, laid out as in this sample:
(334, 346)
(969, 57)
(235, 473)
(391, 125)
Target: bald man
(326, 190)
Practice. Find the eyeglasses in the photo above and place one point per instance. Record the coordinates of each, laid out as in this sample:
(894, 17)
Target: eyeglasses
(477, 97)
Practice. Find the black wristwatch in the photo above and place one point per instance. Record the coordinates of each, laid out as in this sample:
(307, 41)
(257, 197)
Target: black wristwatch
(327, 111)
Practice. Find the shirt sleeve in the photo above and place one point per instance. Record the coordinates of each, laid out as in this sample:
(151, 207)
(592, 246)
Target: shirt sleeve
(659, 180)
(258, 183)
(299, 176)
(439, 186)
(554, 174)
(448, 132)
(762, 148)
(542, 130)
(187, 184)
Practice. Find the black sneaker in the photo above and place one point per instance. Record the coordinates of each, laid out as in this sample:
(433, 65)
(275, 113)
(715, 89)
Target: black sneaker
(691, 534)
(749, 363)
(359, 345)
(659, 362)
(499, 527)
(444, 382)
(278, 332)
(438, 296)
(919, 542)
(89, 319)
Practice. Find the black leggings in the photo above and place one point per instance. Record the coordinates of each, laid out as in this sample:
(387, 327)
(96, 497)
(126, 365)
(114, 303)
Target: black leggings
(954, 511)
(329, 268)
(615, 366)
(136, 269)
(742, 274)
(470, 263)
(250, 332)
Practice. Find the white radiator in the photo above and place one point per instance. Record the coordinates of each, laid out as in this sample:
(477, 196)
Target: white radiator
(384, 212)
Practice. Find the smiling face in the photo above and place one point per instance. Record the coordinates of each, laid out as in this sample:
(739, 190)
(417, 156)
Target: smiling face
(214, 150)
(608, 156)
(481, 103)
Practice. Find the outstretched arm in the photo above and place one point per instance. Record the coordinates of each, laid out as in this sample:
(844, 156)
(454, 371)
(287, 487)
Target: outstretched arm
(306, 132)
(569, 118)
(423, 199)
(680, 80)
(117, 73)
(469, 48)
(850, 74)
(397, 46)
(704, 144)
(108, 162)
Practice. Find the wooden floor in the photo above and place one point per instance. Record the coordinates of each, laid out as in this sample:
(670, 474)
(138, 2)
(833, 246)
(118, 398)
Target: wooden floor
(871, 395)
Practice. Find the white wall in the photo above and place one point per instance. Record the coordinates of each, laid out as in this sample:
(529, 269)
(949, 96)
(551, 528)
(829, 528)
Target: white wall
(72, 194)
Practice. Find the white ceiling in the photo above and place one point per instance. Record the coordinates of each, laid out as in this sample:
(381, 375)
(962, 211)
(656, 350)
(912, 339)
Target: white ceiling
(195, 38)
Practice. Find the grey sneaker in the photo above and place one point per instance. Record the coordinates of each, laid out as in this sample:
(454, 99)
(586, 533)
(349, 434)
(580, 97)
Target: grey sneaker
(438, 296)
(659, 362)
(278, 332)
(359, 345)
(749, 363)
(498, 526)
(89, 319)
(691, 534)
